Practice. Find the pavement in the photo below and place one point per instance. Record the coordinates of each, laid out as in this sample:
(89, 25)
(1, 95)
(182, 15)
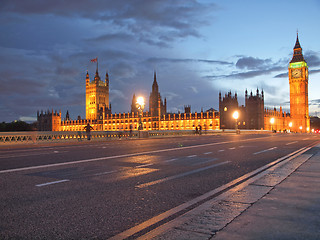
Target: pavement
(282, 202)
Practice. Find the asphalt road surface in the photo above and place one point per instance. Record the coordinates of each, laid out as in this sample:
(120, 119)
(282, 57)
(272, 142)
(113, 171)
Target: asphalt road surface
(95, 190)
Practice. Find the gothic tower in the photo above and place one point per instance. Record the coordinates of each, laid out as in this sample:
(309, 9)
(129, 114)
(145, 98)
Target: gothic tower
(298, 81)
(156, 105)
(97, 97)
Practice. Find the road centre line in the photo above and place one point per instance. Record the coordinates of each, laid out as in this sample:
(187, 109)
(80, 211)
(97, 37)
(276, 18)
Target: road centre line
(291, 143)
(103, 173)
(204, 162)
(222, 150)
(125, 155)
(191, 156)
(179, 175)
(50, 183)
(171, 160)
(269, 149)
(206, 153)
(232, 148)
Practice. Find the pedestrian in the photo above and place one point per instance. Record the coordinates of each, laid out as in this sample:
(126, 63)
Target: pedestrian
(200, 128)
(196, 130)
(88, 130)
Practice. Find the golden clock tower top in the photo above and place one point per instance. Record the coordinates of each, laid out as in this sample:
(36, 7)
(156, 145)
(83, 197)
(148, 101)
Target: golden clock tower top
(297, 52)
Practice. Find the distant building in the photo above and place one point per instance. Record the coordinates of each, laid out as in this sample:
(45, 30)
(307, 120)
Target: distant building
(48, 121)
(252, 116)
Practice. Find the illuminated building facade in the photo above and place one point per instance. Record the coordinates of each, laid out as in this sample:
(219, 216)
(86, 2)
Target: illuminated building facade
(251, 116)
(97, 97)
(99, 116)
(298, 81)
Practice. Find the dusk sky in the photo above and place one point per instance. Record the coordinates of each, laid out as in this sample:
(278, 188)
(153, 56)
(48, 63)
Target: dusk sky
(197, 49)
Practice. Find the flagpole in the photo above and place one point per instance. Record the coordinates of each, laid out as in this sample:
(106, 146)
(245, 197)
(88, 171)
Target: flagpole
(97, 64)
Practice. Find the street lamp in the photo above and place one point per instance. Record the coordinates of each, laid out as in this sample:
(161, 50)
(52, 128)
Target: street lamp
(290, 125)
(140, 107)
(272, 122)
(235, 115)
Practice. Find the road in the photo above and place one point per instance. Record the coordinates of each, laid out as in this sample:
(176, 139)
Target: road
(95, 190)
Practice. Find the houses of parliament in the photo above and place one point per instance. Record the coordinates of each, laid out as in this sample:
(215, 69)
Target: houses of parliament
(253, 115)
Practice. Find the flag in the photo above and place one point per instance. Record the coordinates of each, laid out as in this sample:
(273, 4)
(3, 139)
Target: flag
(94, 60)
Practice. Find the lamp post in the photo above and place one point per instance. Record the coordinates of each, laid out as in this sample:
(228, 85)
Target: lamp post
(140, 107)
(235, 115)
(272, 122)
(290, 125)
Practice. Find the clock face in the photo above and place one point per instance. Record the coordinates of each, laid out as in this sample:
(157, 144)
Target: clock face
(296, 73)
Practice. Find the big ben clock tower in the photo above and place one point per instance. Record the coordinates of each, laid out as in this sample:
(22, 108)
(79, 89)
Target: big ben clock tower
(298, 81)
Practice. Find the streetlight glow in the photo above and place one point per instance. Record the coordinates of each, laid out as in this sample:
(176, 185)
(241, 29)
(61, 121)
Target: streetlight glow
(140, 102)
(272, 120)
(290, 124)
(235, 115)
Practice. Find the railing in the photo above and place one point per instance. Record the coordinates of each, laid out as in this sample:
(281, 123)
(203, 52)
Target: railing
(37, 137)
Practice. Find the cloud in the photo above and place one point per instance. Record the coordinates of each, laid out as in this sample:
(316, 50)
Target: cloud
(188, 60)
(154, 22)
(252, 63)
(312, 58)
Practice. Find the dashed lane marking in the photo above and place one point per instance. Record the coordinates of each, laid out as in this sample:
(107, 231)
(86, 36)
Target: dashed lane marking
(206, 153)
(221, 150)
(269, 149)
(50, 183)
(291, 143)
(180, 175)
(171, 160)
(192, 156)
(124, 155)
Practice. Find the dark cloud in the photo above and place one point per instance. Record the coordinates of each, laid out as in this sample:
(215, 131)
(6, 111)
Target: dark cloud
(245, 75)
(312, 58)
(188, 60)
(154, 22)
(252, 63)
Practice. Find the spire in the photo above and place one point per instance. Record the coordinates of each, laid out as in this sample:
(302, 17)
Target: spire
(155, 84)
(297, 52)
(107, 77)
(297, 45)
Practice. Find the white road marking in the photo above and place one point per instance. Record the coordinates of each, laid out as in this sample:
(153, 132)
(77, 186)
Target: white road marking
(305, 139)
(124, 155)
(144, 165)
(207, 153)
(199, 163)
(103, 173)
(291, 143)
(56, 151)
(232, 148)
(179, 175)
(221, 150)
(269, 149)
(171, 160)
(50, 183)
(191, 156)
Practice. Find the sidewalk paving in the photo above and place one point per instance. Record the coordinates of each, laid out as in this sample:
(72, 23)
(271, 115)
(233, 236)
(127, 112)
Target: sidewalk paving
(282, 204)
